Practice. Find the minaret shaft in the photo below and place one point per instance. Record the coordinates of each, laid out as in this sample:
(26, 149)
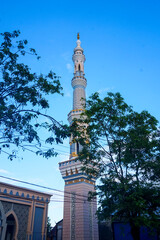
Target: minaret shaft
(78, 84)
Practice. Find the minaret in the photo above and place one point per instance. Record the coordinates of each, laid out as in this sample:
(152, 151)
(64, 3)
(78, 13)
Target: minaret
(79, 219)
(79, 84)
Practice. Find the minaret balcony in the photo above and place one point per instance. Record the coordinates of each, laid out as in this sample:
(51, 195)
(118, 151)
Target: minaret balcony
(70, 167)
(72, 170)
(74, 114)
(79, 81)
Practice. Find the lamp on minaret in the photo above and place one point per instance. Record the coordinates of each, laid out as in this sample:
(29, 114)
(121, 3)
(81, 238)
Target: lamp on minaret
(79, 220)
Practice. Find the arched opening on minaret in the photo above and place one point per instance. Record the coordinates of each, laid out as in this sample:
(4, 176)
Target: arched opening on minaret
(79, 67)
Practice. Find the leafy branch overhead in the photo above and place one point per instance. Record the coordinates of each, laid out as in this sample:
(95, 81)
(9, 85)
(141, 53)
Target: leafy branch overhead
(124, 148)
(23, 101)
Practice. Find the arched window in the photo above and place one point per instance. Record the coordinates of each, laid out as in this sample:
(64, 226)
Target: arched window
(79, 67)
(12, 226)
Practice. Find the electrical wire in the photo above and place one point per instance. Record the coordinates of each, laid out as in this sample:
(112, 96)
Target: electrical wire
(48, 188)
(64, 201)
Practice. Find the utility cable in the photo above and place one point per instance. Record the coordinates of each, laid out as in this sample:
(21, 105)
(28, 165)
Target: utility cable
(40, 186)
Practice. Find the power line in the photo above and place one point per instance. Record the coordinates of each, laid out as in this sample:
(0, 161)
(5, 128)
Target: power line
(69, 197)
(40, 186)
(64, 201)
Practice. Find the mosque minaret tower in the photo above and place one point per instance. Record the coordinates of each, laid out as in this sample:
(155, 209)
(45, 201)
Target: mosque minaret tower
(79, 219)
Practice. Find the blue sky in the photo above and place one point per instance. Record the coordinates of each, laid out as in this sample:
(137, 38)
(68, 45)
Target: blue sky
(121, 41)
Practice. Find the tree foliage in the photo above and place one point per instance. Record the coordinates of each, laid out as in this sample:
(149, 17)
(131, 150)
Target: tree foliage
(49, 227)
(124, 148)
(23, 101)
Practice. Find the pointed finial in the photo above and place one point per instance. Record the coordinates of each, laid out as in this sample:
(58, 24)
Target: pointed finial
(78, 36)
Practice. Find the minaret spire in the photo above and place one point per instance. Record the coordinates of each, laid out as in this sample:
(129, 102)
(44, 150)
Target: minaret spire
(79, 82)
(78, 37)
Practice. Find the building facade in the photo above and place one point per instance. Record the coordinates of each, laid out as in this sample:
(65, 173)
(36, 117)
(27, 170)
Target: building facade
(79, 219)
(23, 213)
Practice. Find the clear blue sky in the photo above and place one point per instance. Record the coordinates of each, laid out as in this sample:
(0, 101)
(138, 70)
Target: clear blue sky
(121, 41)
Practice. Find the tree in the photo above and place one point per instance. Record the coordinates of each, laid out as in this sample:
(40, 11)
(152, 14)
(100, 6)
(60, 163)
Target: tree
(123, 149)
(23, 101)
(49, 227)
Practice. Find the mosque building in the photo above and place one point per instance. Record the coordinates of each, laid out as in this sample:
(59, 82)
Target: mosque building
(79, 219)
(23, 213)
